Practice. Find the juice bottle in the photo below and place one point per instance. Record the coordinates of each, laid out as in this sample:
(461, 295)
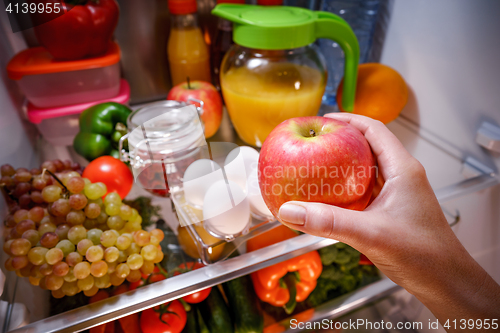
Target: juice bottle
(186, 49)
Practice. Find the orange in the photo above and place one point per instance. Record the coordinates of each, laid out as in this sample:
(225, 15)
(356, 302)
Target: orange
(381, 92)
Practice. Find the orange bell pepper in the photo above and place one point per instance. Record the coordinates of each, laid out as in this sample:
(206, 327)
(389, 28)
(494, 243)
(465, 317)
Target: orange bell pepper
(284, 325)
(267, 281)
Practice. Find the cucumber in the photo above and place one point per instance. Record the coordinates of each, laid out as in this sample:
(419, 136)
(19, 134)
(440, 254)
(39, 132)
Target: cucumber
(244, 305)
(215, 313)
(195, 323)
(191, 324)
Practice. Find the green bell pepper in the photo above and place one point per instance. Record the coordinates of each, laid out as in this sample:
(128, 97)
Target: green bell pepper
(101, 127)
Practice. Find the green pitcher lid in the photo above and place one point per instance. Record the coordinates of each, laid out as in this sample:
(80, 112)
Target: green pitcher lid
(282, 27)
(270, 27)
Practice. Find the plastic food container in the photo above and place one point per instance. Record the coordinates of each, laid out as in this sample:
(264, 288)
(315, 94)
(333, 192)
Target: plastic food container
(59, 126)
(50, 83)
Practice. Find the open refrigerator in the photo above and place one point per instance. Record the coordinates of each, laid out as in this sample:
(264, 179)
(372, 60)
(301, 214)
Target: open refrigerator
(447, 52)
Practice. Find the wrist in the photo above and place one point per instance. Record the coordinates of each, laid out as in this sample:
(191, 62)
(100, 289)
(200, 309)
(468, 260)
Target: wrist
(466, 292)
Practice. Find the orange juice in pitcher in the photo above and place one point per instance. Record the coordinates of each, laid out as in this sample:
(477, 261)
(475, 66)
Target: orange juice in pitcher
(260, 98)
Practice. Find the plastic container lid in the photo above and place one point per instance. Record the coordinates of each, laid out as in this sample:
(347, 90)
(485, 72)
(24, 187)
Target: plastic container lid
(270, 2)
(37, 60)
(36, 115)
(182, 7)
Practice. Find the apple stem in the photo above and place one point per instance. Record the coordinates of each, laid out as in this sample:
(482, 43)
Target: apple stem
(189, 83)
(312, 133)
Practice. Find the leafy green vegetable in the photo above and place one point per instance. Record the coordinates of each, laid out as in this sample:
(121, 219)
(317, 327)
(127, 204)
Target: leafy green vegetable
(332, 272)
(341, 273)
(148, 212)
(328, 254)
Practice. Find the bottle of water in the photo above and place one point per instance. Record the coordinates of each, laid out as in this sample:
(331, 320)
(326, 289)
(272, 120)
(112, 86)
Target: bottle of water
(362, 16)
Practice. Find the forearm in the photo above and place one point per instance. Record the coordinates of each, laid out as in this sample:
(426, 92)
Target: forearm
(469, 293)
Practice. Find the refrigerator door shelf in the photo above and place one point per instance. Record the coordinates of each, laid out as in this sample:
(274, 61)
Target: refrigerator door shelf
(488, 136)
(347, 303)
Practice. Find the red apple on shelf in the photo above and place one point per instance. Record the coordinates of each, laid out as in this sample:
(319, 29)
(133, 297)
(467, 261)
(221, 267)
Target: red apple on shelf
(212, 102)
(316, 159)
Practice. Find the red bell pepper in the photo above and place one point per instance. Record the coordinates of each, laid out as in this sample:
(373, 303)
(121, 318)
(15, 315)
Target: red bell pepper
(84, 30)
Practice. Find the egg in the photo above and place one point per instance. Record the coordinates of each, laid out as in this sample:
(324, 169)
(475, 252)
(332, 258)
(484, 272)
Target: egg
(199, 176)
(239, 163)
(257, 205)
(226, 210)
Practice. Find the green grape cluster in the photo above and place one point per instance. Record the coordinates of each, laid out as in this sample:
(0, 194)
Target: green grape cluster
(65, 238)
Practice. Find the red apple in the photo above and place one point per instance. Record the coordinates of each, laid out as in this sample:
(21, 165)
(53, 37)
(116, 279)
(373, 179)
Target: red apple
(316, 159)
(212, 102)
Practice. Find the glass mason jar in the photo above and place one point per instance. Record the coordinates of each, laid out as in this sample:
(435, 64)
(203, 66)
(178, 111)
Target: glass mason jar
(163, 139)
(262, 88)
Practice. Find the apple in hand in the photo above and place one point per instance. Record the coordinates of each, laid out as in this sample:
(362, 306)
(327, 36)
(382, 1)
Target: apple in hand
(316, 159)
(212, 102)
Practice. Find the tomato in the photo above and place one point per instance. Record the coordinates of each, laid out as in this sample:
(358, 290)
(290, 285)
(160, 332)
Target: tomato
(198, 296)
(166, 318)
(112, 172)
(147, 279)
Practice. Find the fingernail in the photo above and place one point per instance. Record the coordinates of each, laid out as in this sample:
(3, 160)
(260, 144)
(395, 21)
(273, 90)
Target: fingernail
(293, 214)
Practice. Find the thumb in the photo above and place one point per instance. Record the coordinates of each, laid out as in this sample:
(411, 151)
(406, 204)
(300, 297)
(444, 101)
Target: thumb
(345, 225)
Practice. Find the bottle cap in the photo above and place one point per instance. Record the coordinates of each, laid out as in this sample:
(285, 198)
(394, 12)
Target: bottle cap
(231, 1)
(270, 2)
(182, 7)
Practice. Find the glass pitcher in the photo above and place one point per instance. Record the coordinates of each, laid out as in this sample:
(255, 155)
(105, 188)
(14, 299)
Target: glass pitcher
(274, 72)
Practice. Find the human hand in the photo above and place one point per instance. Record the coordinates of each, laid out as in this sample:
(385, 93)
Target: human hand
(403, 231)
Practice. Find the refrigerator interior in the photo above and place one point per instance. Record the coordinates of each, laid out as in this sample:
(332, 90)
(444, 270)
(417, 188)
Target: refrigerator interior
(447, 51)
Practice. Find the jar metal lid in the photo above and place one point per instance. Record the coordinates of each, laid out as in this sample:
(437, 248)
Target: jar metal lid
(163, 128)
